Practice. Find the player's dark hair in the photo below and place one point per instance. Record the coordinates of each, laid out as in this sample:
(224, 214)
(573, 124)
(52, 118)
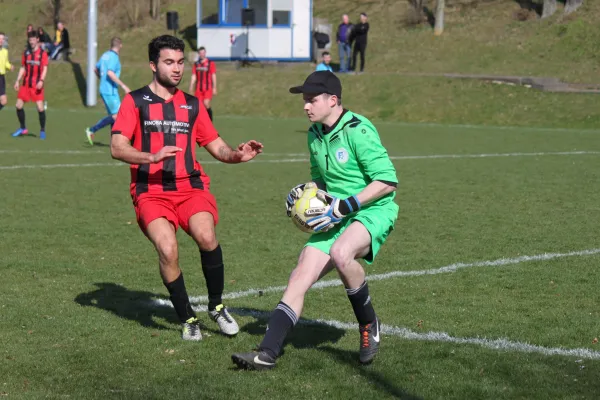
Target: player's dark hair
(202, 48)
(163, 42)
(33, 34)
(363, 14)
(2, 33)
(325, 53)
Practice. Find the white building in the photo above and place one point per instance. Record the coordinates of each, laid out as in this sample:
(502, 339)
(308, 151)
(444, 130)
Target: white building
(282, 30)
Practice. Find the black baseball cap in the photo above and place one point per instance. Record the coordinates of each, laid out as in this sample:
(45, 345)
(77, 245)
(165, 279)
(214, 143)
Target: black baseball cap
(320, 82)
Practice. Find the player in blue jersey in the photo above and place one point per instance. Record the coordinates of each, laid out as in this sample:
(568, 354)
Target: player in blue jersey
(108, 70)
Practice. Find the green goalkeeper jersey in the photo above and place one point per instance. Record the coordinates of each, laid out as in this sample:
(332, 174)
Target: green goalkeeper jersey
(349, 156)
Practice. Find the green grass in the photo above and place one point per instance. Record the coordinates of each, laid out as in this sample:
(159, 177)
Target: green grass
(78, 274)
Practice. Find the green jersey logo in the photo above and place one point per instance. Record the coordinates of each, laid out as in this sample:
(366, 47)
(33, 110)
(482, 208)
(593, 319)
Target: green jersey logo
(341, 155)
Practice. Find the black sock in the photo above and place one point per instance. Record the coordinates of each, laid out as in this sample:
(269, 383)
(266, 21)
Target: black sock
(361, 304)
(1, 107)
(214, 274)
(180, 299)
(21, 116)
(281, 321)
(42, 115)
(209, 109)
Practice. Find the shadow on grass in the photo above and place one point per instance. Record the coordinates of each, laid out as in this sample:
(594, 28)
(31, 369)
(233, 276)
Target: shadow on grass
(80, 80)
(374, 377)
(304, 335)
(133, 305)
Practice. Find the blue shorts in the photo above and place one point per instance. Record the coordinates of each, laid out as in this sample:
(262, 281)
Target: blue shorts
(112, 102)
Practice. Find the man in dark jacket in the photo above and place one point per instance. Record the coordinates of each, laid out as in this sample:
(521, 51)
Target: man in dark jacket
(343, 41)
(359, 37)
(61, 42)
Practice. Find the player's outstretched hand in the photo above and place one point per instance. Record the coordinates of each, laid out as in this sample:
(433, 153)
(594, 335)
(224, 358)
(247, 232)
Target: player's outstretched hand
(165, 152)
(249, 150)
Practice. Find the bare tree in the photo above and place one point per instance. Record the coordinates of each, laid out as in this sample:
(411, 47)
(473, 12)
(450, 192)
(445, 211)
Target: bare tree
(572, 5)
(417, 6)
(439, 18)
(56, 5)
(549, 8)
(154, 9)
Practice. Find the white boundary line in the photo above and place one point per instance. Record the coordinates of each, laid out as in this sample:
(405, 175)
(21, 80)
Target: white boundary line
(375, 121)
(401, 274)
(295, 160)
(500, 344)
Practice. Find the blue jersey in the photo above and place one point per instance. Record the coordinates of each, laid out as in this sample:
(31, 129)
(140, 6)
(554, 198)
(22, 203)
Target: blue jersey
(109, 62)
(324, 67)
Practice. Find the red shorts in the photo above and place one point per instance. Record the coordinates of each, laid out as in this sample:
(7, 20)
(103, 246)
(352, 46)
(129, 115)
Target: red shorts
(206, 94)
(176, 207)
(30, 94)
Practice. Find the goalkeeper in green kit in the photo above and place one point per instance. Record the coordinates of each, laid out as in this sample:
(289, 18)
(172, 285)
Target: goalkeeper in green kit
(358, 182)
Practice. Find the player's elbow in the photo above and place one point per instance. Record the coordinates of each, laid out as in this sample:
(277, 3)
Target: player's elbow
(115, 151)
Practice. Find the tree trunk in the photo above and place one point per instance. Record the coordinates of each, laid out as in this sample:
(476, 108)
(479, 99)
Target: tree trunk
(154, 9)
(56, 16)
(439, 18)
(572, 5)
(549, 8)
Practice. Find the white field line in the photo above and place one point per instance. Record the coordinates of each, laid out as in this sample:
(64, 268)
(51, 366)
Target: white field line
(401, 274)
(52, 152)
(501, 344)
(295, 160)
(376, 122)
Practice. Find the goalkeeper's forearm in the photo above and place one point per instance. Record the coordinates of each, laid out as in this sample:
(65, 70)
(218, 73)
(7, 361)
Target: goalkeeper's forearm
(375, 190)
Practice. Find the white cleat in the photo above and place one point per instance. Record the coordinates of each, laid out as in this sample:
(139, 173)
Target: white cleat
(226, 323)
(191, 330)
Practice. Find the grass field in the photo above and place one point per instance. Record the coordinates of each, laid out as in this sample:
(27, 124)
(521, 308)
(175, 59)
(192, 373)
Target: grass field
(79, 316)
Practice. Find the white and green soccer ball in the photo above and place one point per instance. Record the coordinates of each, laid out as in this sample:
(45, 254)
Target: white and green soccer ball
(306, 207)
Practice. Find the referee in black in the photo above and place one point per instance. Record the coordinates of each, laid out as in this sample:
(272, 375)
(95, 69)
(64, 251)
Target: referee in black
(359, 36)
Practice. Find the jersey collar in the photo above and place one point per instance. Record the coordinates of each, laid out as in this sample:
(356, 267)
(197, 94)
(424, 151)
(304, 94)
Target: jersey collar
(157, 98)
(328, 129)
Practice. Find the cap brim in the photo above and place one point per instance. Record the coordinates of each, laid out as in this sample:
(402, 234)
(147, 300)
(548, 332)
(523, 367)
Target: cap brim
(307, 89)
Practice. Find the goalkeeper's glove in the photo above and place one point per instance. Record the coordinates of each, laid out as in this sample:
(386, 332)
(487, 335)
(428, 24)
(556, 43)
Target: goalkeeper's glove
(294, 195)
(336, 210)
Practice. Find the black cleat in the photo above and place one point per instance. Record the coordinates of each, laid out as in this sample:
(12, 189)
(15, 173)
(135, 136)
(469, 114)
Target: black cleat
(369, 341)
(254, 361)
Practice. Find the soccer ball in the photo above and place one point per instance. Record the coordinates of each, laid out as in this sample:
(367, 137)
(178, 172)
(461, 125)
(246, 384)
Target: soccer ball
(306, 207)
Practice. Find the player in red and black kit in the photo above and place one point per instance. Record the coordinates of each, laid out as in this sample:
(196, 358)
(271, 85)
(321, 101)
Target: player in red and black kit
(204, 80)
(30, 83)
(156, 131)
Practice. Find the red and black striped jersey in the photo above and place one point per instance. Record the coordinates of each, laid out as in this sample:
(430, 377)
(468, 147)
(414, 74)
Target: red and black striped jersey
(150, 123)
(33, 62)
(204, 71)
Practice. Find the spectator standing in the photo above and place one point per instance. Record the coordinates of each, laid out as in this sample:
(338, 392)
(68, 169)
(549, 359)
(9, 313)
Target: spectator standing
(343, 40)
(324, 66)
(359, 37)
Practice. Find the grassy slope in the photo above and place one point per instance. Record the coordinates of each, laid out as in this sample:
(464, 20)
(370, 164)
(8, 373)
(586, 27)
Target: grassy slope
(486, 39)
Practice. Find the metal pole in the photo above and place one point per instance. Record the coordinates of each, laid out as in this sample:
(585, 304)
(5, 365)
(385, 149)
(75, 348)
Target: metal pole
(92, 52)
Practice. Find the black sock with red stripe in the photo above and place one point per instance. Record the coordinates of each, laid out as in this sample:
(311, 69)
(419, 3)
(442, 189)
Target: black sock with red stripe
(42, 115)
(209, 109)
(21, 116)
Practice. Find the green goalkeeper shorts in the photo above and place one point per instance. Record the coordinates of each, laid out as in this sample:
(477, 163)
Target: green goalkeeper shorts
(379, 221)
